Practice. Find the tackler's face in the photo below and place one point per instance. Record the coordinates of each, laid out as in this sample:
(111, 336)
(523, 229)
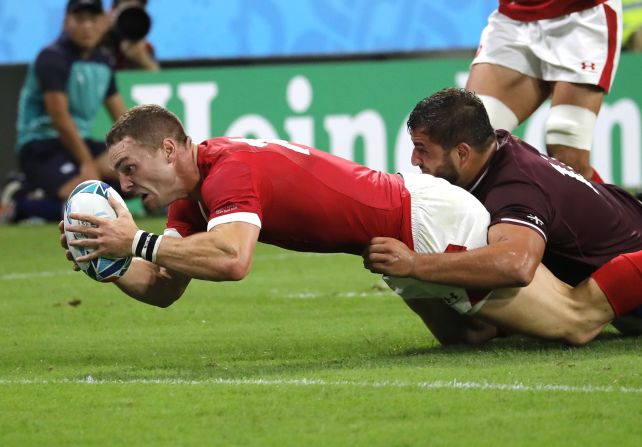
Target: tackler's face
(432, 158)
(144, 171)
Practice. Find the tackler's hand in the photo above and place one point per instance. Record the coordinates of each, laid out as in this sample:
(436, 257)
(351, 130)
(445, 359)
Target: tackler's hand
(390, 257)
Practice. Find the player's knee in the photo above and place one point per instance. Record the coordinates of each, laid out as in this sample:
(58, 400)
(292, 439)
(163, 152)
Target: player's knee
(570, 126)
(501, 116)
(578, 338)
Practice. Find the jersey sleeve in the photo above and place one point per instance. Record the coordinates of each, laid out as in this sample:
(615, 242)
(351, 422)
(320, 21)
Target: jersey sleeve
(52, 71)
(230, 194)
(520, 203)
(184, 217)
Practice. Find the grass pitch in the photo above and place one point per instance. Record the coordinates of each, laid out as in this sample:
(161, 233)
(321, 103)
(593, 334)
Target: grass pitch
(309, 350)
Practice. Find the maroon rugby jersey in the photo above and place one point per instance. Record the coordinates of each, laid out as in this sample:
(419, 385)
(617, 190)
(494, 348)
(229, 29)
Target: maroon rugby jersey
(585, 224)
(529, 10)
(302, 198)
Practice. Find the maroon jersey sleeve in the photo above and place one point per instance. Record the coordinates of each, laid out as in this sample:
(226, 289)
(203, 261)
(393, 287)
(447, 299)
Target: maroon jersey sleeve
(520, 203)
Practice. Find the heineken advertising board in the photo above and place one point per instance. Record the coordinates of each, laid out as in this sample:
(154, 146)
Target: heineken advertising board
(358, 109)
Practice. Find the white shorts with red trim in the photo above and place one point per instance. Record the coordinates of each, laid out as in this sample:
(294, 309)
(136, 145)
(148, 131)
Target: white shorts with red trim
(582, 47)
(444, 218)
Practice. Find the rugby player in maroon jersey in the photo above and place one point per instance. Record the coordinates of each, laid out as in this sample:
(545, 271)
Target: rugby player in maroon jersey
(541, 212)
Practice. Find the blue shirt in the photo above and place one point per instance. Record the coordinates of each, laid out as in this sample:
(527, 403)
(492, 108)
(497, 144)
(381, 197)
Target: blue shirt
(59, 67)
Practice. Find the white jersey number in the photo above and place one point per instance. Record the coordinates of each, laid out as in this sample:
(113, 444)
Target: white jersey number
(265, 141)
(565, 170)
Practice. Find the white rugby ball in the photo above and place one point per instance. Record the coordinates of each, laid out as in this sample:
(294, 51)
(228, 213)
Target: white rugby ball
(90, 197)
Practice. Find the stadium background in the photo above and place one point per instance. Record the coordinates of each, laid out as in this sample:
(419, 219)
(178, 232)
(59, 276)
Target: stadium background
(310, 349)
(340, 76)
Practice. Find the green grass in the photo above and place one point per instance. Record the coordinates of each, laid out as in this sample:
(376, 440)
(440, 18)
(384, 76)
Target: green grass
(309, 350)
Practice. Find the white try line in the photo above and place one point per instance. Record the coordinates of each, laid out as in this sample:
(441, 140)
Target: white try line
(369, 294)
(435, 385)
(19, 276)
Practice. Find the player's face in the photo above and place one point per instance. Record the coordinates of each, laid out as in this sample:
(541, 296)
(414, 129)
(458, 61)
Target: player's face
(432, 159)
(144, 172)
(84, 28)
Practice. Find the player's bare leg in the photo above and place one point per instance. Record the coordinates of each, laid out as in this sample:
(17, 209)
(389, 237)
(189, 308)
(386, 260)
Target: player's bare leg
(585, 101)
(550, 309)
(522, 94)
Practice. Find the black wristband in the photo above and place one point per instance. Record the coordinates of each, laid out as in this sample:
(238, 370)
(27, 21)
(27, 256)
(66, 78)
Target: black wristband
(145, 245)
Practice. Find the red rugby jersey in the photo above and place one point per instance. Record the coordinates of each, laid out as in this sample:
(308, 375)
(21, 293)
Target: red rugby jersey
(303, 199)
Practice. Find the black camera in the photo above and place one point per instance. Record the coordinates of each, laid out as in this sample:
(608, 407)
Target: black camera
(131, 23)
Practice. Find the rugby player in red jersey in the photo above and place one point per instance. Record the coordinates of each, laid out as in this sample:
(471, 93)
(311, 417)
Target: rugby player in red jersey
(565, 50)
(541, 212)
(226, 194)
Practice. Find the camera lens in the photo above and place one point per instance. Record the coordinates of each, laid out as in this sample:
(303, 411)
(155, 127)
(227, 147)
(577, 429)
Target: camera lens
(132, 23)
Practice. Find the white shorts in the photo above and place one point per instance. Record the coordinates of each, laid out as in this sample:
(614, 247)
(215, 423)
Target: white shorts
(582, 47)
(444, 218)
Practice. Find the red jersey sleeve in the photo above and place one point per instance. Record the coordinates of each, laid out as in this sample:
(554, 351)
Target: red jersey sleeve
(230, 193)
(185, 217)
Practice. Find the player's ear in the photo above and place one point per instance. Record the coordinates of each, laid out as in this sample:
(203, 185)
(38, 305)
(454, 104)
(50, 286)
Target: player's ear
(463, 152)
(169, 149)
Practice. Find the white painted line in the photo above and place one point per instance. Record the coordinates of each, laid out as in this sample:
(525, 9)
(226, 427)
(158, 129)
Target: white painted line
(435, 385)
(310, 295)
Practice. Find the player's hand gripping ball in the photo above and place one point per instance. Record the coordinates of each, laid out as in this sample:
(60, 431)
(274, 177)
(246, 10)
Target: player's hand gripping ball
(90, 197)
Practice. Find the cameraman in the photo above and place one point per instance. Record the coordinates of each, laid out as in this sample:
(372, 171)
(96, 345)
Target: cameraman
(125, 37)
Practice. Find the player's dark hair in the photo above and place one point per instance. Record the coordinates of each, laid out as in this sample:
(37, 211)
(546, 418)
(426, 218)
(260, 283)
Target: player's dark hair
(452, 116)
(149, 125)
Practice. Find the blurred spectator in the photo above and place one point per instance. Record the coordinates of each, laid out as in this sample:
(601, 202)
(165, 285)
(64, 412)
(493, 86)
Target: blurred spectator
(125, 40)
(632, 29)
(63, 92)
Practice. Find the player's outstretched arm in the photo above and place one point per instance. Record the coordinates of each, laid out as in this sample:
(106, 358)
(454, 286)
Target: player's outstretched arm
(222, 254)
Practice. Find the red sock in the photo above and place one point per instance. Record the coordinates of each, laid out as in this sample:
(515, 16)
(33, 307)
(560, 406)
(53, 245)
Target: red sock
(596, 177)
(621, 281)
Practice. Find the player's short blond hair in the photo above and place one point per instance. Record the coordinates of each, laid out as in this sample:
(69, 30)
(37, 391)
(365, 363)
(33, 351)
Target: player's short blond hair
(148, 125)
